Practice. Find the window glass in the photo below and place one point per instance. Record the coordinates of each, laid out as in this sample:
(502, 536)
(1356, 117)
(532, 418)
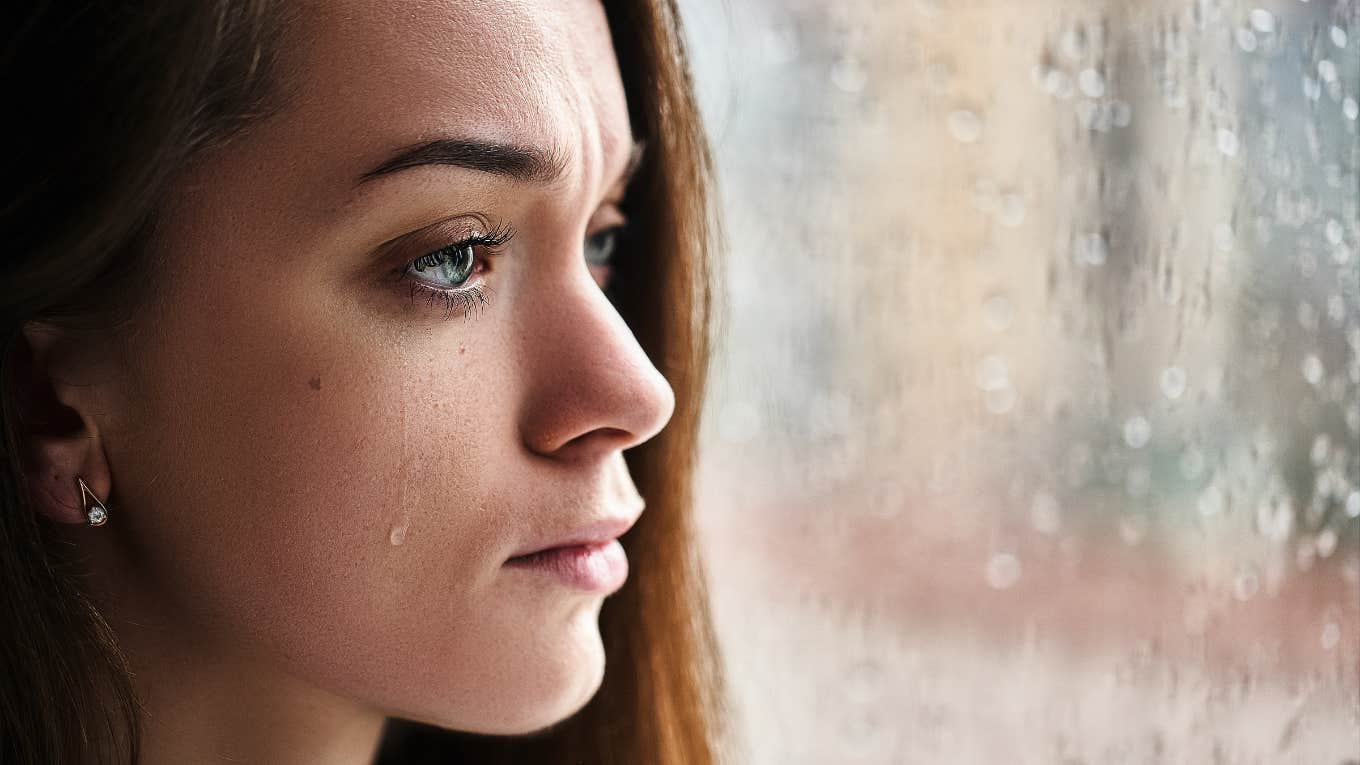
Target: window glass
(1035, 430)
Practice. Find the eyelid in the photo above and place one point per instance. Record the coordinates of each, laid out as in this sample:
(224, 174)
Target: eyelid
(608, 216)
(434, 236)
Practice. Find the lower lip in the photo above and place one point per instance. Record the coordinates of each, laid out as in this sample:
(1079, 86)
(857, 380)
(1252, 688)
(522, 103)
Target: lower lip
(599, 567)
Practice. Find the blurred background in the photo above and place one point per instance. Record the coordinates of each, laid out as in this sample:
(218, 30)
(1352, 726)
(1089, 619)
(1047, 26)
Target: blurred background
(1034, 434)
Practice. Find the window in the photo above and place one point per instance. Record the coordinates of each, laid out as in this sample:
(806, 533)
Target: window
(1035, 433)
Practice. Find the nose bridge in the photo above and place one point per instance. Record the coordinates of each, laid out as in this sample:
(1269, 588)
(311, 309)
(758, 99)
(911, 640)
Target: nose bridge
(592, 386)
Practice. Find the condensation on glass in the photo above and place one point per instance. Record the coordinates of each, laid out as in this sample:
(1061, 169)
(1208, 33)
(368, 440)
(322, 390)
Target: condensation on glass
(1034, 435)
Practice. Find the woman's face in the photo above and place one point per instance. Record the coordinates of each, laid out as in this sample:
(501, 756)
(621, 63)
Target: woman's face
(322, 471)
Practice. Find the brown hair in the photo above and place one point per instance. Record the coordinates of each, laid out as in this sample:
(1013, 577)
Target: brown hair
(153, 85)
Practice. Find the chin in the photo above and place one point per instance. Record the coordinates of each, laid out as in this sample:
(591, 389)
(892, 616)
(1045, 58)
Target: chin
(545, 712)
(534, 718)
(547, 693)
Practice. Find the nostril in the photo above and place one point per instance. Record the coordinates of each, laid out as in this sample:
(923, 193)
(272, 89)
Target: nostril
(599, 440)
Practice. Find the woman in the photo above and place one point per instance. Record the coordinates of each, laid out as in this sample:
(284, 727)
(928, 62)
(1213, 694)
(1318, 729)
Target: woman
(322, 322)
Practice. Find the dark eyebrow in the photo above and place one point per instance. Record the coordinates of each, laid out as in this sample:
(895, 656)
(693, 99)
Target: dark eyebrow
(522, 163)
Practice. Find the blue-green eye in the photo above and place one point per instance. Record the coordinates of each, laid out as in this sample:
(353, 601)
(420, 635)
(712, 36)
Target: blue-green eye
(600, 245)
(449, 273)
(449, 266)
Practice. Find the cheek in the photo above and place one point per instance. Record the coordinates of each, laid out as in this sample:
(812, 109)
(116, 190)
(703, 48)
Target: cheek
(291, 449)
(339, 496)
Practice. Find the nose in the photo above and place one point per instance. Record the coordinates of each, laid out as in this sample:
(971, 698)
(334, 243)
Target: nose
(592, 388)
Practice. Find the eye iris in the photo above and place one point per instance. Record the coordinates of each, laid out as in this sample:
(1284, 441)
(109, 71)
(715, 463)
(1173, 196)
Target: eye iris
(599, 247)
(453, 263)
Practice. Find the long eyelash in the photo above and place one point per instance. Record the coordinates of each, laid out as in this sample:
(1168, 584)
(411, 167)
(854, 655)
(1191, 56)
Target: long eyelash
(464, 300)
(496, 237)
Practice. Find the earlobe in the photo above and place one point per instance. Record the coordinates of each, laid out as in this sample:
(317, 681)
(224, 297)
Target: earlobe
(68, 477)
(62, 447)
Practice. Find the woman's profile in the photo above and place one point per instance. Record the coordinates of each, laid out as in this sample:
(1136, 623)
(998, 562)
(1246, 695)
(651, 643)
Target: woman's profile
(347, 346)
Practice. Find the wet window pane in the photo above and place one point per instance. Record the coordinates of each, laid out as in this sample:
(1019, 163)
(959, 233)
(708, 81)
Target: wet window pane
(1035, 430)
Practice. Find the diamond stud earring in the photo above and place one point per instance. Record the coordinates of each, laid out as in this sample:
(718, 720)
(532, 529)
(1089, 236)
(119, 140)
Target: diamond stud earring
(96, 513)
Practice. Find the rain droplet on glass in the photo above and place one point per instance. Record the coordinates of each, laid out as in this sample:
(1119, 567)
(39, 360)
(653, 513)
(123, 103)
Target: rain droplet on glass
(1173, 382)
(1003, 571)
(1058, 84)
(1073, 44)
(1087, 111)
(1308, 316)
(1045, 515)
(1132, 529)
(998, 312)
(1325, 543)
(992, 373)
(1010, 210)
(965, 125)
(1312, 369)
(1331, 636)
(849, 75)
(1336, 309)
(1092, 250)
(1227, 142)
(1338, 37)
(1211, 501)
(1334, 230)
(1341, 253)
(1305, 556)
(1091, 83)
(1322, 448)
(1262, 21)
(1275, 517)
(1311, 88)
(1137, 432)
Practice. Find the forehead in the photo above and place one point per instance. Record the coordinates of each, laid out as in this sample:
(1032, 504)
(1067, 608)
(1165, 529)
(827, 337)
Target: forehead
(364, 76)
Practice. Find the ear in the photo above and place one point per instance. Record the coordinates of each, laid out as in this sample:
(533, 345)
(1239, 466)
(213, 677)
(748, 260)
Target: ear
(58, 433)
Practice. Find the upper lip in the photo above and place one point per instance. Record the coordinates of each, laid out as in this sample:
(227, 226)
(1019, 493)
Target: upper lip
(592, 532)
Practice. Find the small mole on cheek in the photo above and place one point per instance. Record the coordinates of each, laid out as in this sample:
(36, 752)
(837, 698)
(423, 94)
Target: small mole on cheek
(462, 349)
(315, 382)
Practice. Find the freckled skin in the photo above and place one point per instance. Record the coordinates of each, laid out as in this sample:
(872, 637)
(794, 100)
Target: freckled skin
(252, 545)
